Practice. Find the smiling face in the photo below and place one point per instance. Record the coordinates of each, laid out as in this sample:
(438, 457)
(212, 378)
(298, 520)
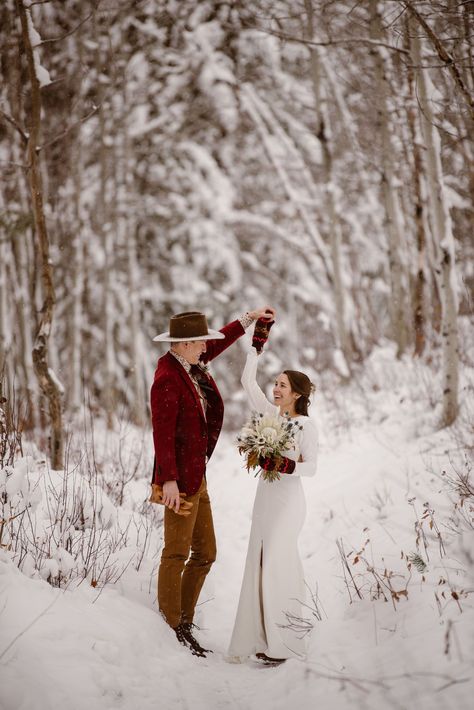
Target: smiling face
(283, 396)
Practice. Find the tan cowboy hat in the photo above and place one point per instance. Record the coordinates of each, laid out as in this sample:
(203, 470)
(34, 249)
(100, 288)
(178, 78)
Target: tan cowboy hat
(191, 325)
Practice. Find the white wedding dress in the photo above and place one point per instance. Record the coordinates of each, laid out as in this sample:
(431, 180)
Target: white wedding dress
(273, 588)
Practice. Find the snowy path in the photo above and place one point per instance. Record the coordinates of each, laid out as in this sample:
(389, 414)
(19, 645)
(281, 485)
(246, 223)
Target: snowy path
(117, 653)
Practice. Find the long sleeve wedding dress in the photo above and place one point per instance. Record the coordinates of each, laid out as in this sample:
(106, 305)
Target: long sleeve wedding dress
(273, 588)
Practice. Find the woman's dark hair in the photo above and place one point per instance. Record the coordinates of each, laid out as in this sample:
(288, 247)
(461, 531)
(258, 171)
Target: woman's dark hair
(302, 385)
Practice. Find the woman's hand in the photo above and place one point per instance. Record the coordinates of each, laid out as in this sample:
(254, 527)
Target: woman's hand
(267, 312)
(264, 319)
(282, 464)
(261, 333)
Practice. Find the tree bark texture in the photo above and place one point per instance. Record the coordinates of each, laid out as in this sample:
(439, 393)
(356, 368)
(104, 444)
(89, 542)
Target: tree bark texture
(419, 296)
(47, 382)
(126, 234)
(443, 243)
(382, 88)
(444, 56)
(334, 219)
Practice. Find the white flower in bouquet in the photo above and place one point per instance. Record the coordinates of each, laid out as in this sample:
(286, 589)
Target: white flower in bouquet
(269, 434)
(266, 435)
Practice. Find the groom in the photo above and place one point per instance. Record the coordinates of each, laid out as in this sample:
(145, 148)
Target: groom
(187, 412)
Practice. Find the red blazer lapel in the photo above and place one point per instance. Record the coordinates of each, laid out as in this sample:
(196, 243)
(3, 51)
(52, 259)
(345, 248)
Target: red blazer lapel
(187, 379)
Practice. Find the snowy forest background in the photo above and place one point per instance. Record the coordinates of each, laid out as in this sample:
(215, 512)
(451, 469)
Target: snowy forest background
(219, 155)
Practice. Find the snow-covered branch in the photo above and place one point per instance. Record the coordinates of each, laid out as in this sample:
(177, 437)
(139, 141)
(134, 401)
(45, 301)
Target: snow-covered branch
(448, 60)
(329, 42)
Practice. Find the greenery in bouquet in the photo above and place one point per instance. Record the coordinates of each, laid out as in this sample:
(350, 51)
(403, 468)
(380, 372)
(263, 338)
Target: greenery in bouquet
(266, 435)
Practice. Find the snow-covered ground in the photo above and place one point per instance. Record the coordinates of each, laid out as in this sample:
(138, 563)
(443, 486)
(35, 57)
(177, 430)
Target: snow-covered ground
(100, 648)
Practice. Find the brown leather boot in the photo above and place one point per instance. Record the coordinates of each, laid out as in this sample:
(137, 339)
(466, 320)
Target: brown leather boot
(189, 626)
(185, 638)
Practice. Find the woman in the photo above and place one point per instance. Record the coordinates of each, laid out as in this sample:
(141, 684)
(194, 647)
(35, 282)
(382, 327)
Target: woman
(273, 586)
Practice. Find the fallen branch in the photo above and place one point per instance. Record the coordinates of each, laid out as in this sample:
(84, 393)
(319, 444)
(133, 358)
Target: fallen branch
(345, 567)
(32, 623)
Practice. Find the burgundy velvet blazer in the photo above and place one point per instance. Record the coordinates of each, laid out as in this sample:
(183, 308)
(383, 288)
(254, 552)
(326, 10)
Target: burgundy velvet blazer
(183, 437)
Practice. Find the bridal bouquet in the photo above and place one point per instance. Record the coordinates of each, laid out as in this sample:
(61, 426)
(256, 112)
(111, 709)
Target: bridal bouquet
(266, 435)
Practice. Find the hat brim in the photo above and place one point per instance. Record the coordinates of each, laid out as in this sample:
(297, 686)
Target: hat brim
(166, 338)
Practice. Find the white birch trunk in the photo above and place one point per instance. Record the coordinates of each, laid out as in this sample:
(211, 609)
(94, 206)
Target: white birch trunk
(126, 234)
(5, 324)
(47, 380)
(419, 205)
(105, 230)
(443, 242)
(77, 290)
(109, 379)
(138, 407)
(330, 188)
(382, 90)
(20, 271)
(20, 274)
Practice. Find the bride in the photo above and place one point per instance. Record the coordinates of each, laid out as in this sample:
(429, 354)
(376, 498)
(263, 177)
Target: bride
(273, 587)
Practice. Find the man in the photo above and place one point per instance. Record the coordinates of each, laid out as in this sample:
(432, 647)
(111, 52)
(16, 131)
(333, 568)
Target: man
(187, 413)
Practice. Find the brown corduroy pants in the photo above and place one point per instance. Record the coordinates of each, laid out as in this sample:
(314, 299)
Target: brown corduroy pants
(188, 552)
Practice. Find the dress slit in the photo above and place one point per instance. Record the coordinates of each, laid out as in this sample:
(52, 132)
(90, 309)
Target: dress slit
(260, 593)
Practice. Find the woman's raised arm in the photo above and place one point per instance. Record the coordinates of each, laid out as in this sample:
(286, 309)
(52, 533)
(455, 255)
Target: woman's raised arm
(256, 397)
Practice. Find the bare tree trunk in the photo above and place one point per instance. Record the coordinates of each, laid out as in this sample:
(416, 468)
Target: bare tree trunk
(443, 243)
(138, 407)
(109, 381)
(105, 227)
(19, 275)
(468, 25)
(126, 235)
(20, 373)
(419, 299)
(330, 190)
(5, 325)
(47, 380)
(77, 288)
(382, 89)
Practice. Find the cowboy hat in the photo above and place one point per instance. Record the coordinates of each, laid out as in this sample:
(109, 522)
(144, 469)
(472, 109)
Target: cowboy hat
(191, 325)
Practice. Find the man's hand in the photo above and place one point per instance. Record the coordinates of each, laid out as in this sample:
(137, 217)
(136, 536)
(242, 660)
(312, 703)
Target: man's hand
(266, 312)
(171, 495)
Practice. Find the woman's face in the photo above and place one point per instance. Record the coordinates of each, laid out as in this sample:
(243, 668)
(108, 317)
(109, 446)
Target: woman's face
(283, 396)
